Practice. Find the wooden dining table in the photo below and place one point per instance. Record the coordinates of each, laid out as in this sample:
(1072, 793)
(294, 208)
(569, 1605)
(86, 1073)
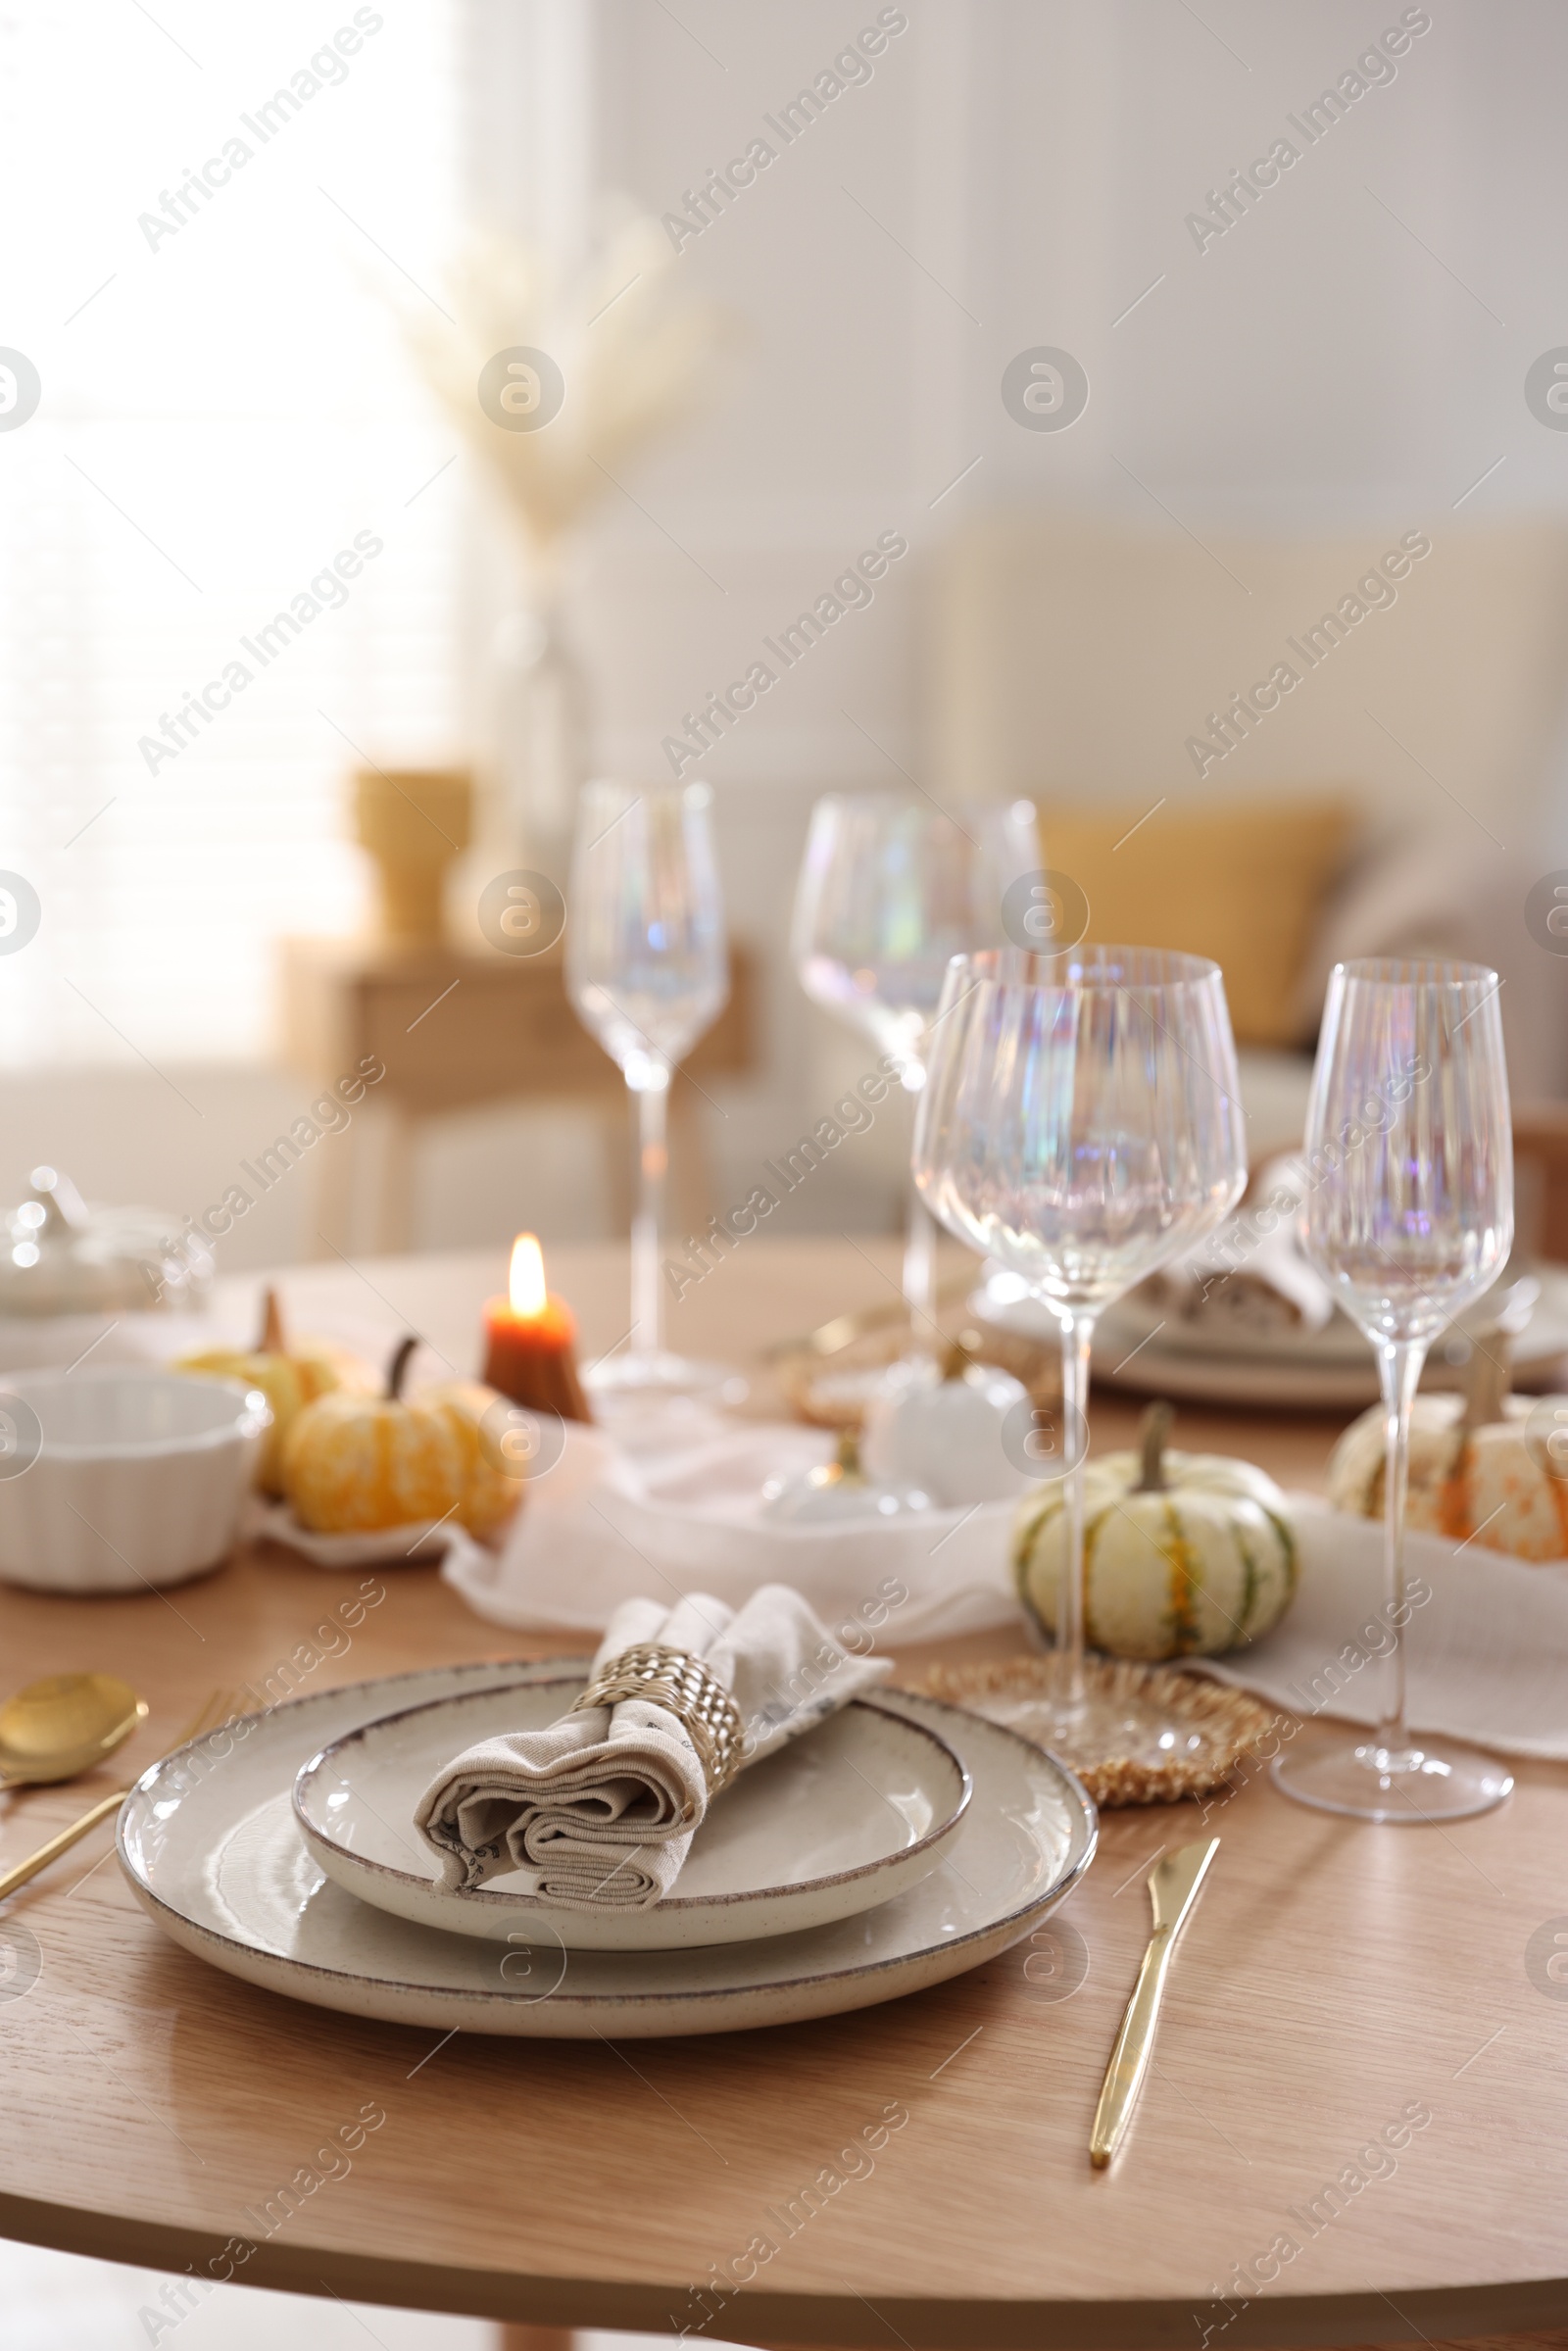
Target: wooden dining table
(1355, 2129)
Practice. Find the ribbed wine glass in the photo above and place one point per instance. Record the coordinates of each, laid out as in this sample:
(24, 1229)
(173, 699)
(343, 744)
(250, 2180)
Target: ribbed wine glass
(648, 973)
(1081, 1124)
(1408, 1217)
(890, 889)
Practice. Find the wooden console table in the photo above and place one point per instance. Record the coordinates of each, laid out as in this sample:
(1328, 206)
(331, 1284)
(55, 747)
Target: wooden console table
(461, 1028)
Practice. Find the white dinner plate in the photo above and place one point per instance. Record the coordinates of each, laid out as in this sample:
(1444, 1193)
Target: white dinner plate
(1138, 1348)
(848, 1816)
(209, 1845)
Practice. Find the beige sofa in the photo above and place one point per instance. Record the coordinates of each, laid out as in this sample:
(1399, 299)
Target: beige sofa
(1083, 660)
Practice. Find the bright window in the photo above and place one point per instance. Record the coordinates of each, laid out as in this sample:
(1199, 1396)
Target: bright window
(225, 410)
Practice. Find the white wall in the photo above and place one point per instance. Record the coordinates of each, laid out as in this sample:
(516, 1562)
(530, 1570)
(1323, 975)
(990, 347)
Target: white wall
(1322, 366)
(1030, 163)
(1038, 157)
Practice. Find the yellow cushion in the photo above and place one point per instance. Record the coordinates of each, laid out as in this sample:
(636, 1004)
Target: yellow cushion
(1240, 881)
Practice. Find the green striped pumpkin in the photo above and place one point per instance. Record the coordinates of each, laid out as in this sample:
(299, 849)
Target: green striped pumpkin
(1185, 1554)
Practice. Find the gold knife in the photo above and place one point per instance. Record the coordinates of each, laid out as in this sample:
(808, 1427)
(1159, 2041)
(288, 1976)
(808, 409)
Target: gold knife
(1173, 1885)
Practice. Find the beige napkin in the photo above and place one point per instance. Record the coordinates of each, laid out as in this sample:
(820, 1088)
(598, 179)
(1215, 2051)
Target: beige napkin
(600, 1808)
(1485, 1649)
(1250, 1277)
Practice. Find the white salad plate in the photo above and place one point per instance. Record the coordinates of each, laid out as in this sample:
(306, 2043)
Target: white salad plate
(841, 1819)
(209, 1845)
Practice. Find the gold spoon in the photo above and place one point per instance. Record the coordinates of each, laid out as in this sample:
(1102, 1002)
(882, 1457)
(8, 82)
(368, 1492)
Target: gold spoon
(62, 1725)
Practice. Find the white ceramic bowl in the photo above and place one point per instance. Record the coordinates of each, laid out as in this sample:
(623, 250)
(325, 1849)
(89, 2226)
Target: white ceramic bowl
(121, 1479)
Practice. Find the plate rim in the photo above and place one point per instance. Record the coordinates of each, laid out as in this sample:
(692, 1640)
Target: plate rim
(586, 2003)
(531, 1905)
(1221, 1351)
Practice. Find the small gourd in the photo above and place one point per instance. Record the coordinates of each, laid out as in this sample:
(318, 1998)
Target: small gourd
(290, 1377)
(1185, 1554)
(359, 1464)
(1476, 1474)
(493, 1475)
(945, 1435)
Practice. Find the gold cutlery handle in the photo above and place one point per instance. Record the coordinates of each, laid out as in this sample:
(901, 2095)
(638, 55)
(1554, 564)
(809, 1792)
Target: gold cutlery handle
(1129, 2059)
(61, 1842)
(218, 1704)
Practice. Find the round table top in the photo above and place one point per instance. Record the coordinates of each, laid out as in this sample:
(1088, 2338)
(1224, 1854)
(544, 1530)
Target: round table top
(1337, 1986)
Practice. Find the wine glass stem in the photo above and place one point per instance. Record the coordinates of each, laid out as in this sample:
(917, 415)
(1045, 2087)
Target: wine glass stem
(919, 1265)
(1398, 1372)
(648, 1220)
(1077, 1331)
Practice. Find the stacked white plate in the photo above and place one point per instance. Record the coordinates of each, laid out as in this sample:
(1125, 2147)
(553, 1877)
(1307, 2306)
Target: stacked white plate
(1139, 1345)
(899, 1844)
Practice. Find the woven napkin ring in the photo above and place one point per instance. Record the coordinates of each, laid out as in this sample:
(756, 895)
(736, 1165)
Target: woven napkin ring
(683, 1685)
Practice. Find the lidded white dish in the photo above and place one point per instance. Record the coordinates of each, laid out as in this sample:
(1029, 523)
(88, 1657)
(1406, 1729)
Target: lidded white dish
(60, 1255)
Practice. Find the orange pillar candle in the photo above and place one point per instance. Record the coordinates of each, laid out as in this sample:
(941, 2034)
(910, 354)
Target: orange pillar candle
(529, 1338)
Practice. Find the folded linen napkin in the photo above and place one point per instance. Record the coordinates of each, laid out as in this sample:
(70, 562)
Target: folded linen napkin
(1250, 1277)
(600, 1808)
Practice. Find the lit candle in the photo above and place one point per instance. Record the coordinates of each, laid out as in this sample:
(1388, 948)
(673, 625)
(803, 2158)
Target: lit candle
(529, 1337)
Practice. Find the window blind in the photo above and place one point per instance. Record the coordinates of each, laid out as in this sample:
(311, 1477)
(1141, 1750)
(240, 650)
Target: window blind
(228, 529)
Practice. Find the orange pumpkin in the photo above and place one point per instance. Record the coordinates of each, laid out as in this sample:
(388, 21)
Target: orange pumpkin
(357, 1464)
(290, 1377)
(1475, 1472)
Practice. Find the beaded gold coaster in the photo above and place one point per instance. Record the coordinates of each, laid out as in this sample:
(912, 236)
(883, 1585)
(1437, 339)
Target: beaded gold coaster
(1160, 1734)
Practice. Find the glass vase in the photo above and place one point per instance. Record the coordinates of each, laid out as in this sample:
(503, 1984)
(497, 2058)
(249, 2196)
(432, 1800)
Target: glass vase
(541, 740)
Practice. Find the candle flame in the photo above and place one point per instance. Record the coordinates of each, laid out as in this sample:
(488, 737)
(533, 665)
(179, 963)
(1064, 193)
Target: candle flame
(528, 1280)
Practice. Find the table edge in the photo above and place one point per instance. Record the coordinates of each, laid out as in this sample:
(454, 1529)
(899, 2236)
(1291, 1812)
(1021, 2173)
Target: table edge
(1272, 2322)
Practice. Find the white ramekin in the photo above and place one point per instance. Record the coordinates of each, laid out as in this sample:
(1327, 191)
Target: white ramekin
(119, 1479)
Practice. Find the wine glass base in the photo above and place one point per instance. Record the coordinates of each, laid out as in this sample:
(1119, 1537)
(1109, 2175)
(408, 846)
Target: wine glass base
(1423, 1782)
(623, 1387)
(1115, 1732)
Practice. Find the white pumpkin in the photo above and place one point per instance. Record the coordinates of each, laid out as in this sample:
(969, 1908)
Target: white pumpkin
(945, 1432)
(1480, 1466)
(1185, 1554)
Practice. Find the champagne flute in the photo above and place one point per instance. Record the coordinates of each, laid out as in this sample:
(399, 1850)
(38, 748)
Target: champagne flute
(647, 972)
(890, 889)
(1081, 1124)
(1408, 1217)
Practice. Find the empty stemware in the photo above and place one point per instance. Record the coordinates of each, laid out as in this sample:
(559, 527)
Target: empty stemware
(1081, 1124)
(648, 973)
(1408, 1217)
(890, 889)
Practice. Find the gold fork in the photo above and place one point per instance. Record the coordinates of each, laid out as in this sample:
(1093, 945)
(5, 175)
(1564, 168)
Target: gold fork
(221, 1706)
